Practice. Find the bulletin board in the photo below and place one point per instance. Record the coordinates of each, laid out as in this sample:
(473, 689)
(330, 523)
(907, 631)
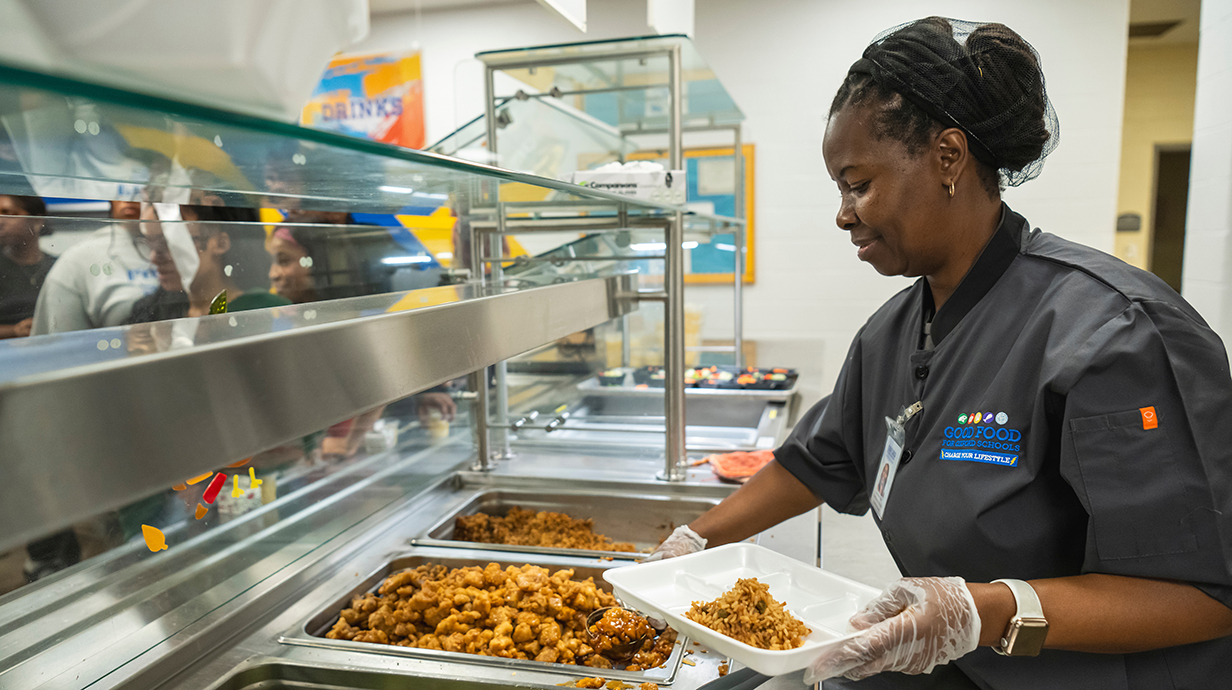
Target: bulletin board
(711, 177)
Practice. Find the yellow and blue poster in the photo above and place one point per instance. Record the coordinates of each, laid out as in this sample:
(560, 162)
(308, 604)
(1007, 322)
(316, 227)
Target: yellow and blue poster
(377, 97)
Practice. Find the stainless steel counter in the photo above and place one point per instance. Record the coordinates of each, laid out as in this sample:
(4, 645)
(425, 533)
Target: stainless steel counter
(210, 613)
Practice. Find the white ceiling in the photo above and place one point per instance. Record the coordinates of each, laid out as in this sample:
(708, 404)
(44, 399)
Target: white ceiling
(395, 6)
(1139, 11)
(1142, 11)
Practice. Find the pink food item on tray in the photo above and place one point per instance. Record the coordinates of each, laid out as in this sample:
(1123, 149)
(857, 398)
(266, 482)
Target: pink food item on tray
(740, 465)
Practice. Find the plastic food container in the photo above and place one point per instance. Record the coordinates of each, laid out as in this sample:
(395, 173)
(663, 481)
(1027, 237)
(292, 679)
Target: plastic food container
(823, 600)
(612, 377)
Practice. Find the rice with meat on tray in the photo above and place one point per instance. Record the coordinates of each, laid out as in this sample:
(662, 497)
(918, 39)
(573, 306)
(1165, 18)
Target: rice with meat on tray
(749, 614)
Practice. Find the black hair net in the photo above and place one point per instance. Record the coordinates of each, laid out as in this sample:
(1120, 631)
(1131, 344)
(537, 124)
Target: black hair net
(982, 78)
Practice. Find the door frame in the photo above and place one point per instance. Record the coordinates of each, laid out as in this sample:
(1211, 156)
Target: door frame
(1169, 147)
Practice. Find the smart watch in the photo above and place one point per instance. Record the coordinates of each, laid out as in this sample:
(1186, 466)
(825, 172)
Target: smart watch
(1028, 629)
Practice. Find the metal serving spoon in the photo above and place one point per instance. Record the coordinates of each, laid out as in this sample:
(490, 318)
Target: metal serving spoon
(626, 651)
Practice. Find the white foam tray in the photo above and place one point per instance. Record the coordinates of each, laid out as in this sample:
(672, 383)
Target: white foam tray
(823, 600)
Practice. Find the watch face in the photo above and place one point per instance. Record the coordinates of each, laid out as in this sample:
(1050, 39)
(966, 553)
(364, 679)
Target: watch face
(1025, 637)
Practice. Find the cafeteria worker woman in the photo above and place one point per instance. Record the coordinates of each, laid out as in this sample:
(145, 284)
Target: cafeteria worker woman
(1049, 416)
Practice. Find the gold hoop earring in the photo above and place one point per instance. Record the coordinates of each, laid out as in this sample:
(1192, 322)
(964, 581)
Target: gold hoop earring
(951, 190)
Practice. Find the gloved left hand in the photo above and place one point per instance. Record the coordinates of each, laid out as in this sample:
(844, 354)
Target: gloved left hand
(913, 626)
(682, 542)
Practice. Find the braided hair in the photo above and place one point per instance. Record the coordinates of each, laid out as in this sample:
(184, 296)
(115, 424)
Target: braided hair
(985, 79)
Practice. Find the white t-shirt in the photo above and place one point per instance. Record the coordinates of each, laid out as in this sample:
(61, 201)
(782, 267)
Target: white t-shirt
(94, 284)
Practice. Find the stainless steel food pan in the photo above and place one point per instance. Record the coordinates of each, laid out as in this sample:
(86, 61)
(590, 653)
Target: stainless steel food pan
(286, 676)
(312, 632)
(642, 519)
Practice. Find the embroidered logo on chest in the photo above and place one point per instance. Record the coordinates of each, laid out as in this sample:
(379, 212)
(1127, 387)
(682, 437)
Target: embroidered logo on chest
(982, 437)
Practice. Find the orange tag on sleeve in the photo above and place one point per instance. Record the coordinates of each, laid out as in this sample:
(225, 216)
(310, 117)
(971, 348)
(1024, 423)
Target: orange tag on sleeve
(1149, 420)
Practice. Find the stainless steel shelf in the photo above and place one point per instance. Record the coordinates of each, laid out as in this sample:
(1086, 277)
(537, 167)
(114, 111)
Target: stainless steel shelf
(591, 386)
(125, 428)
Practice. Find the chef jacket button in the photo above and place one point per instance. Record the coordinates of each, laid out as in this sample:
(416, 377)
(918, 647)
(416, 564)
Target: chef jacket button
(921, 372)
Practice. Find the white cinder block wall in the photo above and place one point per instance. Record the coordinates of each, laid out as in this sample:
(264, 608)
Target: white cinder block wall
(782, 61)
(1208, 229)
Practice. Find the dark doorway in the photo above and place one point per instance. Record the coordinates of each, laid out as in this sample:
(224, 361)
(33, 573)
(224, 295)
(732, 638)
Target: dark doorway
(1171, 197)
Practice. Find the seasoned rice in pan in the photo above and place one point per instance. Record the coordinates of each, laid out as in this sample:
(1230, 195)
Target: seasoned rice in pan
(748, 613)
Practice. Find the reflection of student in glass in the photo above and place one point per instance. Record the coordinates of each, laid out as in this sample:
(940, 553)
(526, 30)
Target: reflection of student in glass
(23, 266)
(225, 253)
(290, 271)
(322, 261)
(96, 281)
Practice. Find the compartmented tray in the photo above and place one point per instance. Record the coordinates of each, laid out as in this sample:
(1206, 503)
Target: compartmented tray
(312, 632)
(823, 600)
(645, 521)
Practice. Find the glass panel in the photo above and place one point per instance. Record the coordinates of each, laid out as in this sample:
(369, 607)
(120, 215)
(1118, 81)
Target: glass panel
(622, 83)
(91, 289)
(65, 138)
(92, 273)
(639, 251)
(541, 136)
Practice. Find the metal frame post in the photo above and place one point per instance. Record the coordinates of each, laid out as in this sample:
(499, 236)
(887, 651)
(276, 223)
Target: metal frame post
(674, 86)
(626, 343)
(496, 252)
(489, 111)
(479, 384)
(478, 379)
(675, 455)
(738, 268)
(674, 404)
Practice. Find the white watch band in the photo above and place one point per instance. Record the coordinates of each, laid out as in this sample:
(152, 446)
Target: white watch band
(1024, 595)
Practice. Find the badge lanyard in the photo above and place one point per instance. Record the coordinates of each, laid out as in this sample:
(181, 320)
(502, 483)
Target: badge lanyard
(896, 438)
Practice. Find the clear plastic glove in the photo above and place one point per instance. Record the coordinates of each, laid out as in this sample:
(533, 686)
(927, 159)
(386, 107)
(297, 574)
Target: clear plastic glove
(682, 542)
(913, 626)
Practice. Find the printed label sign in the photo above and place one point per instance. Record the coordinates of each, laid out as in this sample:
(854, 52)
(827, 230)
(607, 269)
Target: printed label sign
(979, 456)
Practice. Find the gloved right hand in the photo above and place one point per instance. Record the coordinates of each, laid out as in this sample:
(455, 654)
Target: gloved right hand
(682, 542)
(912, 627)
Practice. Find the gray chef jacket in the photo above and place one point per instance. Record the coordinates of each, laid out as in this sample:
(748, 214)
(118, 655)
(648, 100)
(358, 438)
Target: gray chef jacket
(1077, 418)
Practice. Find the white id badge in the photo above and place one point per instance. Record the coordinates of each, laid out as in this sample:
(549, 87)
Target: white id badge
(887, 467)
(890, 457)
